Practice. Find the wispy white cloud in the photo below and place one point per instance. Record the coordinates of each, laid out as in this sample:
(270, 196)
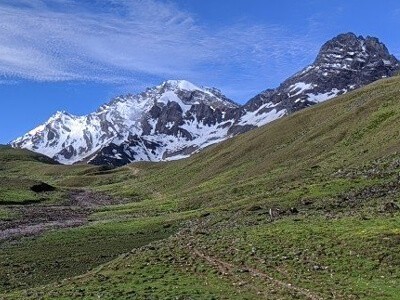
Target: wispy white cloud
(116, 41)
(7, 82)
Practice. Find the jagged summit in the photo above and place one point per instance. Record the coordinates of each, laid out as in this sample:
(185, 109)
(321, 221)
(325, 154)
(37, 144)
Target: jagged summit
(344, 63)
(177, 118)
(367, 58)
(60, 114)
(181, 85)
(168, 121)
(349, 48)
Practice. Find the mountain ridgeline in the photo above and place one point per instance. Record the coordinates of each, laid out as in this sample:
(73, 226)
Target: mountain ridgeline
(177, 118)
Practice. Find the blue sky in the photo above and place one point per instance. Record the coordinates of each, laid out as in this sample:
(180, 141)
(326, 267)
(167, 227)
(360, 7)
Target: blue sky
(75, 55)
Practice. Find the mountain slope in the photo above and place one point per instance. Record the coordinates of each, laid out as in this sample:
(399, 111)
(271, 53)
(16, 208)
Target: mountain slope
(331, 169)
(170, 120)
(351, 130)
(177, 118)
(345, 63)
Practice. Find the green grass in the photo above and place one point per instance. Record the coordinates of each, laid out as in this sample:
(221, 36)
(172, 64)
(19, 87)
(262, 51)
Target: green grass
(6, 214)
(18, 191)
(305, 147)
(337, 163)
(347, 257)
(145, 277)
(70, 252)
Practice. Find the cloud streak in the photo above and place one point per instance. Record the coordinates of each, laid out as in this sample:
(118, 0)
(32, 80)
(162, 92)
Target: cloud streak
(117, 41)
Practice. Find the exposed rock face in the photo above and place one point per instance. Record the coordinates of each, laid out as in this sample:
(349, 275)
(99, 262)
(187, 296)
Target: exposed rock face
(344, 63)
(177, 118)
(169, 121)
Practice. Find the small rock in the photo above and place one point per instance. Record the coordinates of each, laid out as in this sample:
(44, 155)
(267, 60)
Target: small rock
(42, 187)
(390, 207)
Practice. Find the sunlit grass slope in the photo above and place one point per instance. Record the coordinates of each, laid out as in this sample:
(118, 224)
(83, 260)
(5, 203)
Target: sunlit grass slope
(206, 218)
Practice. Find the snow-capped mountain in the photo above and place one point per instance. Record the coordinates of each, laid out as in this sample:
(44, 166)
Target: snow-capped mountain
(177, 118)
(169, 121)
(344, 63)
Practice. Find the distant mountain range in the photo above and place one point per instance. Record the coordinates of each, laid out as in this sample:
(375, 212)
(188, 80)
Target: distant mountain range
(178, 118)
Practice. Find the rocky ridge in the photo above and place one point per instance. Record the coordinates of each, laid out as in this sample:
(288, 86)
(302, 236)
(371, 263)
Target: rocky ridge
(178, 118)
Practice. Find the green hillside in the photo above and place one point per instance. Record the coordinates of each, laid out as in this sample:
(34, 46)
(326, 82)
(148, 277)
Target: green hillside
(200, 228)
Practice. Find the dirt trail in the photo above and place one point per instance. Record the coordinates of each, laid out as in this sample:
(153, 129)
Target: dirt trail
(228, 269)
(35, 219)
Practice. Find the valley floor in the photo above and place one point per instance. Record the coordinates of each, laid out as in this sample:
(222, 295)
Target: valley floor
(218, 255)
(201, 228)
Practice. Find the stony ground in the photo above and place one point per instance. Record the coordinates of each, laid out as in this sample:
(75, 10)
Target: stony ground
(35, 219)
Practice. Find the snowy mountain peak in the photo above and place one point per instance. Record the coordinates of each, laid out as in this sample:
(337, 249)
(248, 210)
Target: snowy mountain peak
(191, 94)
(344, 63)
(348, 51)
(168, 121)
(59, 115)
(177, 118)
(181, 85)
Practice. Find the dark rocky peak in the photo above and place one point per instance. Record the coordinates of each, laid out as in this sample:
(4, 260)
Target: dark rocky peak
(340, 45)
(344, 63)
(176, 118)
(348, 51)
(254, 103)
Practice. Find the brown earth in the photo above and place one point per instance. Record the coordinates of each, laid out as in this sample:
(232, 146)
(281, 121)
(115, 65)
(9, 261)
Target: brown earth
(35, 219)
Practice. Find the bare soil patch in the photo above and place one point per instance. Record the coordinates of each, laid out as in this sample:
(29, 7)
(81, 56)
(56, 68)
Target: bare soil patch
(35, 219)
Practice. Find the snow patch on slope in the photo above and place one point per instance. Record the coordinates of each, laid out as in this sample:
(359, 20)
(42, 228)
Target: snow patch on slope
(299, 88)
(262, 116)
(321, 97)
(126, 123)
